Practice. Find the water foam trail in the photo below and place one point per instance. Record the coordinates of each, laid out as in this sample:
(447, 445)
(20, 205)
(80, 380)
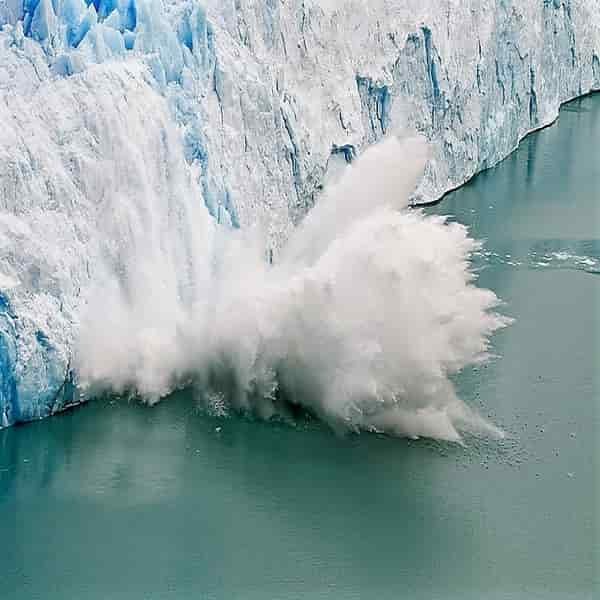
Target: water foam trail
(368, 311)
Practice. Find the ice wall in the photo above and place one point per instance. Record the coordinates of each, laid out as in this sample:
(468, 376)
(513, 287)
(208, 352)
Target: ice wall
(272, 98)
(335, 76)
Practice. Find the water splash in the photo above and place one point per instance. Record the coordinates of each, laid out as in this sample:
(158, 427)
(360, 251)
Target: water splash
(368, 310)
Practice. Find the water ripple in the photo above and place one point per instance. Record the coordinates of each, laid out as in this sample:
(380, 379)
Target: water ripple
(583, 255)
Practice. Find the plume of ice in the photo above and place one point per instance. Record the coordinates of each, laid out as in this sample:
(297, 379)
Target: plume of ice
(366, 313)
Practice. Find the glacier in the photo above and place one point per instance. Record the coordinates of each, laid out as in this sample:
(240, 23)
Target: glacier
(152, 121)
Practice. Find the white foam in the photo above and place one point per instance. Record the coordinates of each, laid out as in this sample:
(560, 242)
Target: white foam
(367, 312)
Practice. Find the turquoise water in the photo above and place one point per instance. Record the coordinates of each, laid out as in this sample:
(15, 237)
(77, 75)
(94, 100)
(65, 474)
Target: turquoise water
(116, 500)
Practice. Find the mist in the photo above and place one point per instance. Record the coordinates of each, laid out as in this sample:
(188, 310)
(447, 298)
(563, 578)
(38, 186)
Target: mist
(361, 320)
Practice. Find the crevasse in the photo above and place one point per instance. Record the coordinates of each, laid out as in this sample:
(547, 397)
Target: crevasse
(270, 99)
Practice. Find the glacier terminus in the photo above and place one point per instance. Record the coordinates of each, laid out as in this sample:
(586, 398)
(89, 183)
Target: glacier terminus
(162, 122)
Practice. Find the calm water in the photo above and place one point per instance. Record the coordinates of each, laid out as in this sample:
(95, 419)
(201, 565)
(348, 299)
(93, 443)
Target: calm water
(118, 501)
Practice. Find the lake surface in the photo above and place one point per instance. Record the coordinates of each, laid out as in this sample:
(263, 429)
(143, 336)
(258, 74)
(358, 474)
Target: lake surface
(120, 501)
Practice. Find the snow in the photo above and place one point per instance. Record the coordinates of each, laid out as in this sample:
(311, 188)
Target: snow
(259, 104)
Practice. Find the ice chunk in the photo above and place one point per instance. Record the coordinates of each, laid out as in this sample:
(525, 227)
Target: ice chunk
(113, 20)
(271, 100)
(129, 39)
(72, 13)
(105, 8)
(11, 11)
(43, 23)
(88, 22)
(101, 43)
(128, 11)
(154, 35)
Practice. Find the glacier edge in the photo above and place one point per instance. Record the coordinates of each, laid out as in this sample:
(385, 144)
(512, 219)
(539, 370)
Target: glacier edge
(270, 98)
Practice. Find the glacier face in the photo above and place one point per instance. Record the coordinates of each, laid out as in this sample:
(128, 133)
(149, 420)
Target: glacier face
(270, 100)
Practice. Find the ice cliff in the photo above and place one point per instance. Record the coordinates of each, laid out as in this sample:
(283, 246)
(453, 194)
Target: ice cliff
(113, 111)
